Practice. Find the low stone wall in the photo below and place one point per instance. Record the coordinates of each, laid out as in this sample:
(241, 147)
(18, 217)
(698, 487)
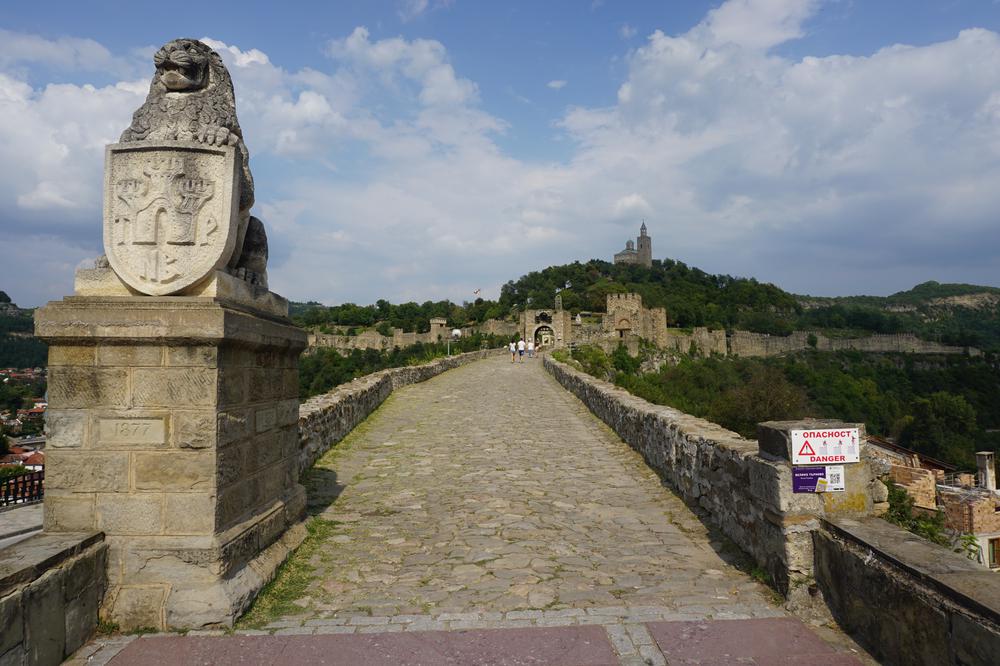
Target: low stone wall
(326, 419)
(51, 586)
(908, 601)
(747, 496)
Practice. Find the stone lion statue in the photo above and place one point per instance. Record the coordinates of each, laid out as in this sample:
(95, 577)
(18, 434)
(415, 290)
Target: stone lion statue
(191, 99)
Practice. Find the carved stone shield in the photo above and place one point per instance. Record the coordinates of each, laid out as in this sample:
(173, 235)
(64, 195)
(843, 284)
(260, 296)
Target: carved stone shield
(170, 213)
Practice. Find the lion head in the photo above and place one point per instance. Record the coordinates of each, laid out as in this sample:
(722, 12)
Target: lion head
(188, 65)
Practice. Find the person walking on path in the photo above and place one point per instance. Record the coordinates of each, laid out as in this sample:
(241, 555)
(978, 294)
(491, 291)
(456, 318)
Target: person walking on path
(520, 349)
(513, 351)
(531, 349)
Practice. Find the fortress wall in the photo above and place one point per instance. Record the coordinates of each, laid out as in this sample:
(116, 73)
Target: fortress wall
(745, 495)
(499, 327)
(371, 339)
(745, 343)
(364, 340)
(706, 342)
(326, 419)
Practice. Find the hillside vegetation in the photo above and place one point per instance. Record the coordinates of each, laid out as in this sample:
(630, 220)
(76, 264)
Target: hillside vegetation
(944, 407)
(958, 314)
(19, 348)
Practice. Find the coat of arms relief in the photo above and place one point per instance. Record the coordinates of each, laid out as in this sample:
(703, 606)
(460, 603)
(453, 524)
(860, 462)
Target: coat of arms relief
(170, 213)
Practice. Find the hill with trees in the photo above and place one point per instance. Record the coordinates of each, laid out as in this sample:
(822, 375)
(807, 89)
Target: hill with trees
(942, 406)
(954, 314)
(19, 348)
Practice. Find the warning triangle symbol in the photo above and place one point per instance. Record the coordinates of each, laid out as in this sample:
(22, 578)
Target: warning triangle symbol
(806, 450)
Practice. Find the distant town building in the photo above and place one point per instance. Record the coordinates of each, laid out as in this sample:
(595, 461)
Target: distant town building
(640, 252)
(970, 502)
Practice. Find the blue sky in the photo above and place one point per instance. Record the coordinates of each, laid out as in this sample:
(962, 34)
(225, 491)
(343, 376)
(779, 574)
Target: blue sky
(424, 149)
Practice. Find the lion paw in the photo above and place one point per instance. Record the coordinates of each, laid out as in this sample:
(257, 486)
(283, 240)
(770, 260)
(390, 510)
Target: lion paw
(216, 136)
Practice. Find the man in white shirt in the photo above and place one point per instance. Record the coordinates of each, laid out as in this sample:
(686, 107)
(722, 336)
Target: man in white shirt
(520, 349)
(531, 349)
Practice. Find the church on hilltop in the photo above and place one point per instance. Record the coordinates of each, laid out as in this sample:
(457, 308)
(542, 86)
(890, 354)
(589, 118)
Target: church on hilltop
(640, 252)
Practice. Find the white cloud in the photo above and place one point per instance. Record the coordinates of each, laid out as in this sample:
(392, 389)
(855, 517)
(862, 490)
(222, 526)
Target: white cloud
(380, 175)
(631, 206)
(411, 9)
(756, 24)
(626, 31)
(734, 147)
(557, 84)
(65, 52)
(395, 60)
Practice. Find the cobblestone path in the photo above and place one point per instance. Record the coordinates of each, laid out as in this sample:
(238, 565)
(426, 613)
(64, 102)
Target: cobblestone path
(492, 490)
(489, 500)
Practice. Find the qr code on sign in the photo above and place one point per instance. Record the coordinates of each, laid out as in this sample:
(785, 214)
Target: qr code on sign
(834, 478)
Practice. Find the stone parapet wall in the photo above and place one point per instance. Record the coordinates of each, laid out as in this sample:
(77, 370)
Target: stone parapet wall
(51, 586)
(907, 600)
(326, 419)
(744, 494)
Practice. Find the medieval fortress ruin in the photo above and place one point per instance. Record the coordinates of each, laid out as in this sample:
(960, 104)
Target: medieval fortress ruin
(176, 438)
(627, 322)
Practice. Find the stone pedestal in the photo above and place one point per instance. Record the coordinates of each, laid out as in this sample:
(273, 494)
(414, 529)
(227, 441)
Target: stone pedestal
(172, 428)
(797, 515)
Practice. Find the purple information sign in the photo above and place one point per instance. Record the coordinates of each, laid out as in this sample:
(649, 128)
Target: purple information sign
(804, 478)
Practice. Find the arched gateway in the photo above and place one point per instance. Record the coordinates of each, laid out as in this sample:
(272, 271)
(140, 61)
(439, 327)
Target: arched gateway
(544, 336)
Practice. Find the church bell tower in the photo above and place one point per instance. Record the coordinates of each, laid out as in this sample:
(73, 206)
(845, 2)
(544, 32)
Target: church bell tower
(644, 247)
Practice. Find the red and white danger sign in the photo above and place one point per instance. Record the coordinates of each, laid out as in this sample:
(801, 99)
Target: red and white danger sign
(825, 447)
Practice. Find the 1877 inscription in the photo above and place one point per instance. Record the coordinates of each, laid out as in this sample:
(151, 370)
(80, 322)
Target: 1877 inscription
(132, 431)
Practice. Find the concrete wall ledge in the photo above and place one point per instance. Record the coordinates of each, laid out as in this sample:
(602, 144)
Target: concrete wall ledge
(952, 575)
(28, 560)
(51, 586)
(908, 601)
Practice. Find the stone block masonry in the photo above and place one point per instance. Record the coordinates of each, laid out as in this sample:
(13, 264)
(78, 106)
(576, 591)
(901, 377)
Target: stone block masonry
(50, 588)
(326, 419)
(747, 494)
(174, 432)
(906, 599)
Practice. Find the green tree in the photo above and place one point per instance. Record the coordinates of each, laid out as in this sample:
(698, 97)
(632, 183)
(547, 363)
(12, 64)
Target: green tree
(623, 362)
(763, 395)
(943, 426)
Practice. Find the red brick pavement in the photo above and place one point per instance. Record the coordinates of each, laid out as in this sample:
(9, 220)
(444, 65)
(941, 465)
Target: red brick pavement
(771, 641)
